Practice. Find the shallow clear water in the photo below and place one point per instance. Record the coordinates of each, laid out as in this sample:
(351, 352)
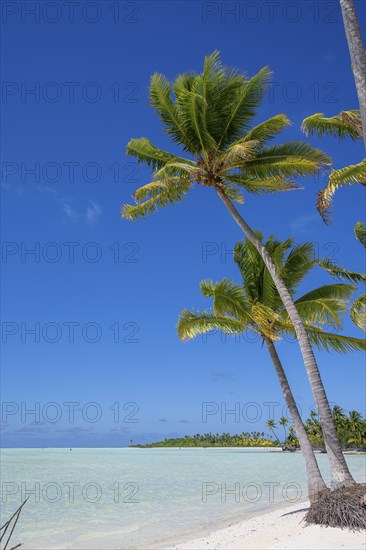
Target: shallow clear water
(133, 498)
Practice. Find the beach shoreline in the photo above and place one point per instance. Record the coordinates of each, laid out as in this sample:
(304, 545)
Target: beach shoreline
(280, 528)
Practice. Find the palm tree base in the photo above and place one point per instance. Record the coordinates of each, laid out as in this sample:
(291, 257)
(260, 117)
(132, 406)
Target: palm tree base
(344, 507)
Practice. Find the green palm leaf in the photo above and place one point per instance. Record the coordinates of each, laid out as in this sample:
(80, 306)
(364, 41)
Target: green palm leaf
(346, 124)
(360, 232)
(161, 100)
(325, 303)
(292, 159)
(193, 109)
(340, 273)
(167, 193)
(300, 260)
(234, 156)
(191, 324)
(328, 341)
(147, 153)
(233, 193)
(350, 175)
(257, 186)
(243, 107)
(267, 130)
(358, 312)
(228, 297)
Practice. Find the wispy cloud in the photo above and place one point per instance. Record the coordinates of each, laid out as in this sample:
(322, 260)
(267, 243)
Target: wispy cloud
(70, 212)
(93, 212)
(304, 222)
(89, 214)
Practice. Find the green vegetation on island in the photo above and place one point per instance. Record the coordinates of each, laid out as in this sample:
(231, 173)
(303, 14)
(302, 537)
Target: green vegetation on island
(245, 439)
(351, 430)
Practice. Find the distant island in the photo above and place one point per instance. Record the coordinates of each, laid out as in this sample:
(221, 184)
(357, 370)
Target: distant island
(253, 439)
(351, 430)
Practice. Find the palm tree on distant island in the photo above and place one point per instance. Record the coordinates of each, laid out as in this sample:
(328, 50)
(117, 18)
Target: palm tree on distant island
(210, 118)
(283, 422)
(257, 306)
(271, 425)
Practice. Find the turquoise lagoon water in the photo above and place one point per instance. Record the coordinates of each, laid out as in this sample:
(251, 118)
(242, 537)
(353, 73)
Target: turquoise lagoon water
(134, 498)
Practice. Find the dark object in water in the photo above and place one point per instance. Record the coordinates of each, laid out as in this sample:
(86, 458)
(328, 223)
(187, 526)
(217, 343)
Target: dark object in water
(344, 507)
(13, 520)
(289, 449)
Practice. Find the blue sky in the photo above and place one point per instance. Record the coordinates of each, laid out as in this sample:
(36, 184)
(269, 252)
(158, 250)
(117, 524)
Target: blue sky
(102, 295)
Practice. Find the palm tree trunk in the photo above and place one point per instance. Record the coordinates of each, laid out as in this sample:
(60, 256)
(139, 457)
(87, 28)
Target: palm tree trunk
(358, 55)
(341, 475)
(276, 438)
(315, 481)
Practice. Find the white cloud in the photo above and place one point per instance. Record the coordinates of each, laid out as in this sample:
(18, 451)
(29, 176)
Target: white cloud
(303, 222)
(70, 212)
(93, 212)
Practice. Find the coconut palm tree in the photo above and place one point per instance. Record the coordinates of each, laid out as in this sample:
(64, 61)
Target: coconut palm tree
(314, 430)
(210, 118)
(357, 429)
(271, 425)
(283, 422)
(357, 53)
(292, 437)
(257, 306)
(346, 124)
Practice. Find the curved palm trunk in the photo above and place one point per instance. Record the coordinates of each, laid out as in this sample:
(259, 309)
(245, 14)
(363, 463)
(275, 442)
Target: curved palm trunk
(340, 472)
(358, 56)
(315, 481)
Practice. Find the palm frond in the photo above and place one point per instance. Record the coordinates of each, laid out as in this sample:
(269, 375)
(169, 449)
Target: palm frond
(229, 299)
(360, 233)
(267, 130)
(207, 287)
(358, 312)
(353, 120)
(339, 272)
(193, 111)
(341, 291)
(245, 101)
(233, 192)
(250, 265)
(257, 186)
(350, 175)
(183, 82)
(325, 304)
(233, 156)
(300, 260)
(160, 194)
(161, 100)
(265, 318)
(346, 124)
(185, 169)
(328, 341)
(147, 153)
(191, 324)
(291, 159)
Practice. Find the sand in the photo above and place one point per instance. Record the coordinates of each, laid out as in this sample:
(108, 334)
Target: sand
(282, 528)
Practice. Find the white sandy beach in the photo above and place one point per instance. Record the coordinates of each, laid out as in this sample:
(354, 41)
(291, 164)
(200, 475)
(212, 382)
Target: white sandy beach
(282, 528)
